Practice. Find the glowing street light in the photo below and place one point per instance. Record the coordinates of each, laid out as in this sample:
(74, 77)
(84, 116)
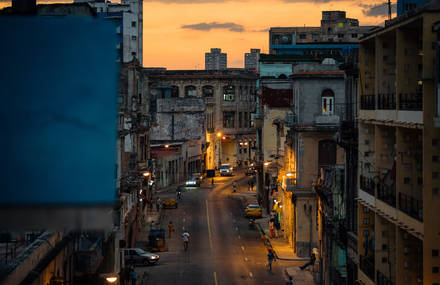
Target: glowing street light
(167, 146)
(146, 174)
(219, 134)
(266, 163)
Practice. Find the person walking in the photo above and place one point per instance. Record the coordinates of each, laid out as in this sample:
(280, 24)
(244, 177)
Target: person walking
(311, 262)
(157, 204)
(133, 276)
(212, 182)
(185, 237)
(153, 226)
(270, 259)
(170, 228)
(234, 186)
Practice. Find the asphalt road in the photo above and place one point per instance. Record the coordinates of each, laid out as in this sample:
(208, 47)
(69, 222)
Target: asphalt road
(222, 250)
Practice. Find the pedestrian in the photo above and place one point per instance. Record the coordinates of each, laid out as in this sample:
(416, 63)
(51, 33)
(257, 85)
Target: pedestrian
(212, 182)
(234, 186)
(270, 259)
(185, 238)
(289, 281)
(312, 260)
(252, 184)
(170, 228)
(157, 204)
(153, 226)
(133, 276)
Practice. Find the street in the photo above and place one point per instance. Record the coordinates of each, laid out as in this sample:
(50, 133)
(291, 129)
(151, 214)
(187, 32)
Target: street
(222, 249)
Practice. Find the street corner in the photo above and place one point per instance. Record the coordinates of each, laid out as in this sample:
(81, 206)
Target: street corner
(302, 277)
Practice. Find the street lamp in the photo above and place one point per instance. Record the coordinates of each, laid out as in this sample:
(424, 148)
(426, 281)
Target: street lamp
(110, 278)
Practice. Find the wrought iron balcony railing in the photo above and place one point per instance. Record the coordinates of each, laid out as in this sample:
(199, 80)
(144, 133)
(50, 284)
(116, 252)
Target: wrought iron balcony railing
(367, 184)
(368, 102)
(387, 193)
(410, 101)
(411, 206)
(386, 101)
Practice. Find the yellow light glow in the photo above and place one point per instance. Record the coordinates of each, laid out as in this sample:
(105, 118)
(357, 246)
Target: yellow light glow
(219, 134)
(246, 143)
(167, 146)
(111, 279)
(224, 137)
(146, 174)
(266, 163)
(241, 143)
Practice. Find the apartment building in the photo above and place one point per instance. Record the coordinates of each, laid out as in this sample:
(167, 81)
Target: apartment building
(399, 148)
(216, 60)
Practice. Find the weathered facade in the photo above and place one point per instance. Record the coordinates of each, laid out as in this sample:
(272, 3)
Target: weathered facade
(318, 100)
(398, 170)
(217, 113)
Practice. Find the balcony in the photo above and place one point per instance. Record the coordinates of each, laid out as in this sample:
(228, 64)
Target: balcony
(410, 101)
(327, 120)
(366, 264)
(368, 102)
(386, 101)
(381, 279)
(387, 194)
(411, 206)
(367, 185)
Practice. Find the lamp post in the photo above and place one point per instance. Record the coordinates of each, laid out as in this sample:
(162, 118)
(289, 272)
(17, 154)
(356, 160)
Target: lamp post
(219, 139)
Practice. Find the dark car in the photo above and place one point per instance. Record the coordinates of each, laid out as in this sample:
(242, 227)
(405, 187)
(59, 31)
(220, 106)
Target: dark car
(139, 256)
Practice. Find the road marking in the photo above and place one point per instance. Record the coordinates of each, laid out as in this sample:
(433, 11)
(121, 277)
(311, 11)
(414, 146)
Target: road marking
(251, 275)
(215, 278)
(209, 225)
(242, 248)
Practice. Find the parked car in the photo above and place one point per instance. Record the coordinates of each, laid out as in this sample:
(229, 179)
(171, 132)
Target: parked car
(139, 256)
(226, 170)
(253, 211)
(169, 204)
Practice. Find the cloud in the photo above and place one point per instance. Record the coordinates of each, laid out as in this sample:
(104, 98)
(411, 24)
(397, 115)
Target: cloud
(260, 31)
(379, 10)
(187, 1)
(314, 1)
(215, 25)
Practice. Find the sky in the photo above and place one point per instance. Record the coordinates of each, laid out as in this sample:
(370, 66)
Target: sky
(178, 33)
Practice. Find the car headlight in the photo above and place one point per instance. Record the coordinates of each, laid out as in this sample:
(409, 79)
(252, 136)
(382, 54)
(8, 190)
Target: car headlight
(154, 257)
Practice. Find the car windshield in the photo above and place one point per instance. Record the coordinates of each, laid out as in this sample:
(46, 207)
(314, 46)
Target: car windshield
(140, 251)
(224, 167)
(254, 206)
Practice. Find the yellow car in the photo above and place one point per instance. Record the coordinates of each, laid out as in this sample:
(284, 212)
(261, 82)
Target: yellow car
(169, 204)
(253, 211)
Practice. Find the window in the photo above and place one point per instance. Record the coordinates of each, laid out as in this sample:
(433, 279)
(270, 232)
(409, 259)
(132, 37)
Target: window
(133, 24)
(228, 120)
(208, 91)
(354, 35)
(240, 119)
(245, 93)
(190, 91)
(133, 38)
(302, 36)
(328, 102)
(229, 93)
(340, 36)
(133, 53)
(174, 91)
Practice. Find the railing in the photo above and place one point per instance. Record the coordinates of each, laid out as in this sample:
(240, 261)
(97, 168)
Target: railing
(367, 184)
(387, 193)
(366, 264)
(381, 279)
(411, 206)
(386, 101)
(368, 102)
(410, 101)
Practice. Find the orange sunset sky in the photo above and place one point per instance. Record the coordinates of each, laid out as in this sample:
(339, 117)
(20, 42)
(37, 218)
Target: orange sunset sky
(235, 26)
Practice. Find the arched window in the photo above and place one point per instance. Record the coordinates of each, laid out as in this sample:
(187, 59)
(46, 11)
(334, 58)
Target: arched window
(229, 93)
(190, 91)
(208, 91)
(174, 91)
(245, 93)
(328, 102)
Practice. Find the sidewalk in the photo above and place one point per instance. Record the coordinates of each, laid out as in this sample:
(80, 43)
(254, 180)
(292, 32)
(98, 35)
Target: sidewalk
(283, 251)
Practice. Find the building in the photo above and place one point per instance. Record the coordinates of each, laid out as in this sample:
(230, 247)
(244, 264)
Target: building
(399, 135)
(404, 6)
(216, 60)
(228, 101)
(129, 25)
(337, 35)
(251, 60)
(318, 106)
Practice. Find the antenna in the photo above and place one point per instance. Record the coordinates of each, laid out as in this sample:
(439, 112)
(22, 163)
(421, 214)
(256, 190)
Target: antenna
(389, 9)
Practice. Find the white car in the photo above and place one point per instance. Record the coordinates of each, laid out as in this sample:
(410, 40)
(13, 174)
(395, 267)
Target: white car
(139, 256)
(193, 181)
(226, 170)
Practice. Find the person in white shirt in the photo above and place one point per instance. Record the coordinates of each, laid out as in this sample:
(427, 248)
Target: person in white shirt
(185, 237)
